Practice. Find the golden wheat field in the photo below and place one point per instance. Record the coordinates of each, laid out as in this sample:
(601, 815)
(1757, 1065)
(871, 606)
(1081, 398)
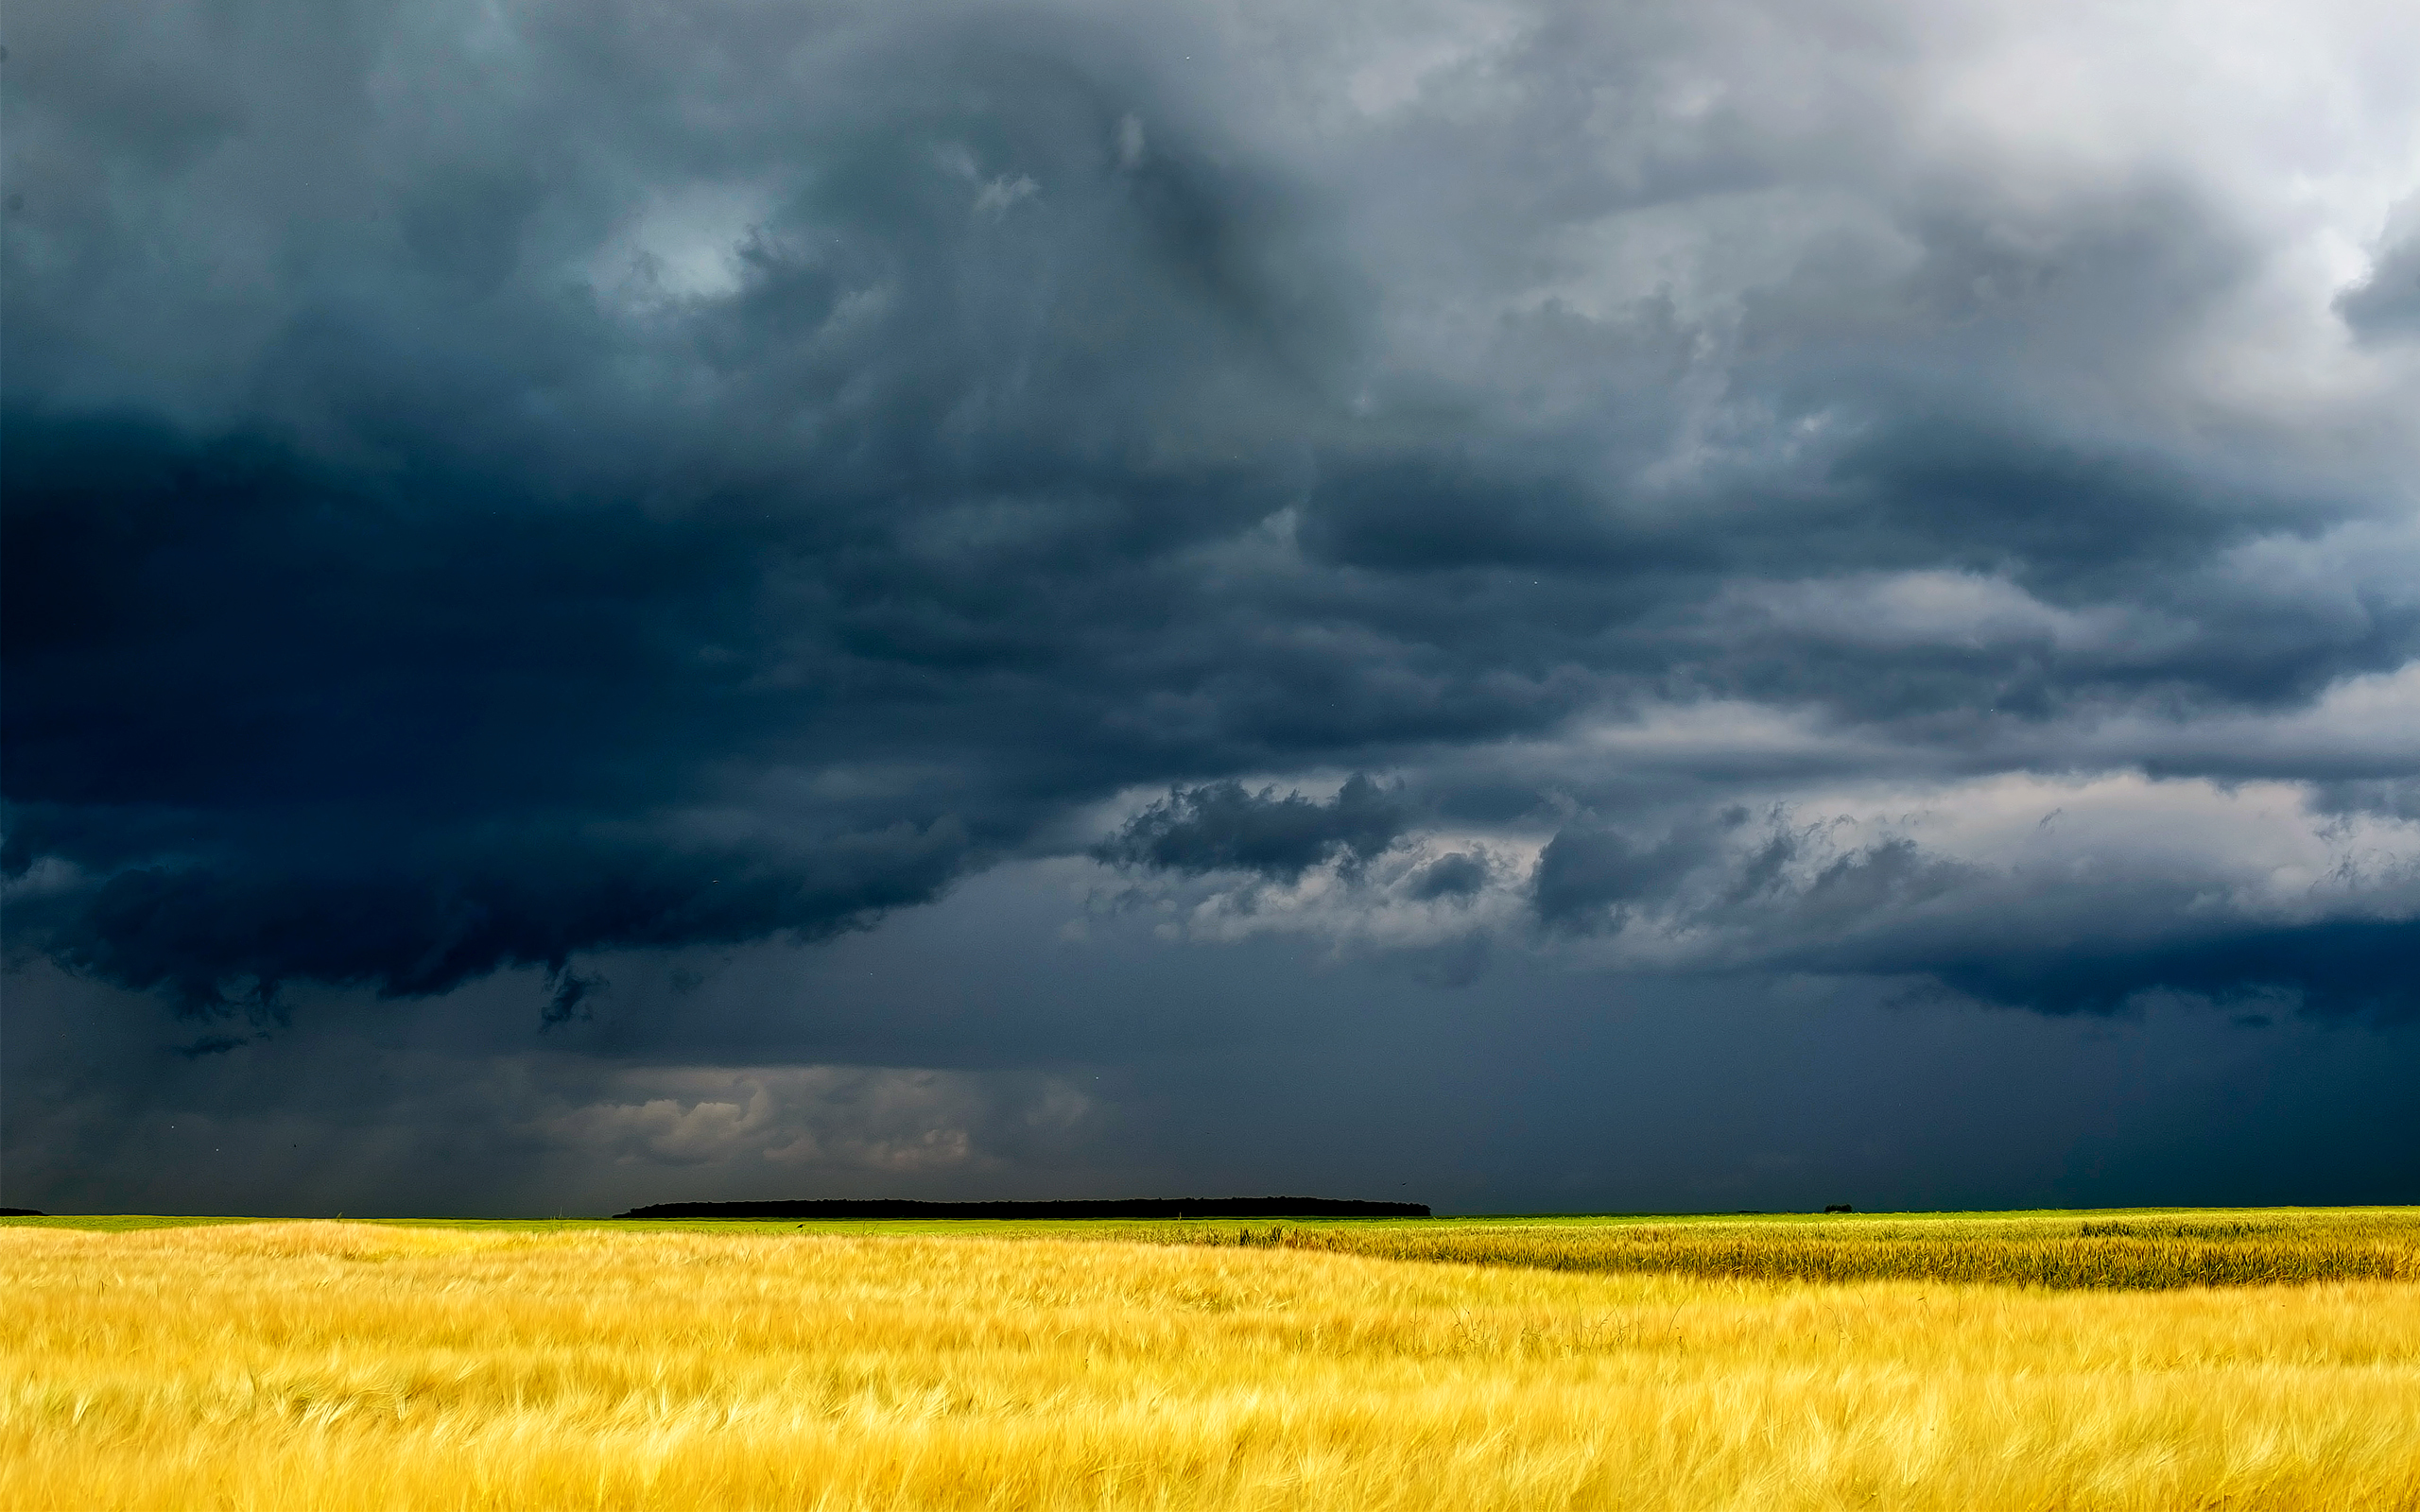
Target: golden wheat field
(360, 1366)
(2132, 1250)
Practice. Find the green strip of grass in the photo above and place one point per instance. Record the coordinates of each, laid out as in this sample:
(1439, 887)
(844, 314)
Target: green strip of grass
(2134, 1248)
(2130, 1250)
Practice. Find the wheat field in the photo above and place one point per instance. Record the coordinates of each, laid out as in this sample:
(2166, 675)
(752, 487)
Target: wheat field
(2133, 1250)
(294, 1365)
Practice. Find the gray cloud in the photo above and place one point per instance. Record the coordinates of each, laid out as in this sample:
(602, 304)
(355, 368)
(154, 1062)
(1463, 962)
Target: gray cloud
(1221, 826)
(487, 494)
(940, 1058)
(1456, 874)
(1585, 870)
(2386, 305)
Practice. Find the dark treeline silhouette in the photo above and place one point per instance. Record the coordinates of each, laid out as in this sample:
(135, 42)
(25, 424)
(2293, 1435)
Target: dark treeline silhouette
(22, 1213)
(1121, 1208)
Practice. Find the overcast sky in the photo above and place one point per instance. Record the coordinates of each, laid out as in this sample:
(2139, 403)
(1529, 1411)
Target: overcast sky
(1523, 606)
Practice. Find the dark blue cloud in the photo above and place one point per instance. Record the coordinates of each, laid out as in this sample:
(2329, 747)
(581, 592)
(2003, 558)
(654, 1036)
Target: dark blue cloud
(1456, 874)
(538, 509)
(1224, 826)
(2087, 942)
(2385, 306)
(2343, 969)
(1587, 872)
(762, 468)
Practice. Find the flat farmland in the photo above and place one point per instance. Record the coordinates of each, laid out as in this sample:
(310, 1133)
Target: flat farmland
(2152, 1360)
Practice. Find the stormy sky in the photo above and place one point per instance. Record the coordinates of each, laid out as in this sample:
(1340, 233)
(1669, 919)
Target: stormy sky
(1526, 605)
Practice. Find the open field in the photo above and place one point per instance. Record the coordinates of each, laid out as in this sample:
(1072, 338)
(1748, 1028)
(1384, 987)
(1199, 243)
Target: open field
(357, 1365)
(2135, 1251)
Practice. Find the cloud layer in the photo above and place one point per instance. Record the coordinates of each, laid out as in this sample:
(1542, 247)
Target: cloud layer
(1866, 490)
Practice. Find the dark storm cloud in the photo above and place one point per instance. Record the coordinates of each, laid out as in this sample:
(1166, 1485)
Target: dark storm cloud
(347, 737)
(2398, 796)
(2342, 969)
(1444, 511)
(1456, 874)
(485, 490)
(433, 697)
(1585, 873)
(2060, 944)
(2386, 305)
(1250, 1068)
(1223, 826)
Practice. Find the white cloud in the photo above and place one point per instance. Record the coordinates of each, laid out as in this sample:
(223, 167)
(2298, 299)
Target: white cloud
(1934, 607)
(838, 1118)
(680, 242)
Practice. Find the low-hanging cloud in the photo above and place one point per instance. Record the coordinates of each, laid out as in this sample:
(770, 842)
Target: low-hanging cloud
(2060, 896)
(1223, 826)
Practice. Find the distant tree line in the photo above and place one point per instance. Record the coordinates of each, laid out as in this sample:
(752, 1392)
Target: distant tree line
(1115, 1208)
